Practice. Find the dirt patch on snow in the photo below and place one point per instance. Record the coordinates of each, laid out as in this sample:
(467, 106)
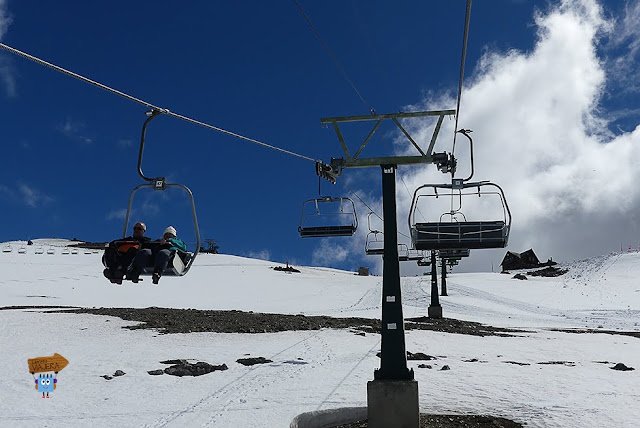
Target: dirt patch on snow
(452, 421)
(167, 320)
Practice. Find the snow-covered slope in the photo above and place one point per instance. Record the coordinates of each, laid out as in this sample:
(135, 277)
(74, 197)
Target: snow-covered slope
(315, 369)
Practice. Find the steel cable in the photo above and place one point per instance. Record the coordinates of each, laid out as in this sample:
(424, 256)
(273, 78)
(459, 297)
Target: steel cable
(147, 104)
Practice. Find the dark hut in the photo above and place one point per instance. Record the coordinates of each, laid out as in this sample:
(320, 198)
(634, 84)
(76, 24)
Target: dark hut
(526, 260)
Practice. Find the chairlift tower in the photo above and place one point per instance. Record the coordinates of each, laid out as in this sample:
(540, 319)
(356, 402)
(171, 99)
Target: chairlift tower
(393, 395)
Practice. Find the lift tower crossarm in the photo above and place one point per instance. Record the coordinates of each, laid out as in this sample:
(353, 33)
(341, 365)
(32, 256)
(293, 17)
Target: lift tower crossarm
(355, 162)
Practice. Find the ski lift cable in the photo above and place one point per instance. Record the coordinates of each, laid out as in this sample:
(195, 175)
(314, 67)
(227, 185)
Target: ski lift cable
(410, 195)
(370, 209)
(464, 56)
(334, 58)
(147, 104)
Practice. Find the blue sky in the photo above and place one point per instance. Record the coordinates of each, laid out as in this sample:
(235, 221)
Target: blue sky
(257, 69)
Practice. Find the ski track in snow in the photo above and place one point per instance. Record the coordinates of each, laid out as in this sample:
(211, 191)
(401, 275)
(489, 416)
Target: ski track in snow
(223, 399)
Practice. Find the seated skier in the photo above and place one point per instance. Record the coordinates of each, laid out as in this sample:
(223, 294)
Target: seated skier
(167, 246)
(119, 254)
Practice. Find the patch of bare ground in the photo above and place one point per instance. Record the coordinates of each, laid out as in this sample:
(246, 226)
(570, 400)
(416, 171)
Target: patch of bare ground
(452, 421)
(167, 320)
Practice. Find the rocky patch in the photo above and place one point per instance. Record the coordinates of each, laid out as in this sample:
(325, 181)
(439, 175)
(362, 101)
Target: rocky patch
(549, 272)
(253, 361)
(167, 320)
(419, 356)
(621, 367)
(286, 269)
(563, 363)
(116, 374)
(452, 421)
(185, 368)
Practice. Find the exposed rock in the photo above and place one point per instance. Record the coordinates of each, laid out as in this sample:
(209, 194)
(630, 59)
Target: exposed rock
(564, 363)
(253, 361)
(174, 362)
(188, 369)
(548, 272)
(517, 363)
(119, 373)
(107, 377)
(519, 276)
(286, 269)
(445, 367)
(419, 356)
(424, 366)
(622, 367)
(156, 372)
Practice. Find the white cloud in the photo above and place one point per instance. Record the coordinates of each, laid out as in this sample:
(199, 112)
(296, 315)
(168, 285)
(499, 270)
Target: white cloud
(329, 253)
(74, 129)
(117, 214)
(7, 77)
(4, 190)
(149, 209)
(5, 18)
(33, 197)
(538, 132)
(260, 255)
(7, 74)
(627, 33)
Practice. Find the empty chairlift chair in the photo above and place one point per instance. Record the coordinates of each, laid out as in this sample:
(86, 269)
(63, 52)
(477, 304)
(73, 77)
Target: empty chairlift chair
(415, 255)
(457, 253)
(374, 244)
(327, 216)
(451, 228)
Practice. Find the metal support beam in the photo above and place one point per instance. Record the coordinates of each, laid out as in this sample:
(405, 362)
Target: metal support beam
(406, 134)
(434, 310)
(387, 116)
(355, 162)
(343, 143)
(366, 140)
(339, 164)
(393, 358)
(435, 134)
(443, 289)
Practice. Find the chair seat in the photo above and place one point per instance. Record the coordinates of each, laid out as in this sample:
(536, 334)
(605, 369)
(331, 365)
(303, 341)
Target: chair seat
(320, 231)
(455, 235)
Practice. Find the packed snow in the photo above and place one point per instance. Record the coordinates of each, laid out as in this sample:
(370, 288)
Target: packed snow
(314, 370)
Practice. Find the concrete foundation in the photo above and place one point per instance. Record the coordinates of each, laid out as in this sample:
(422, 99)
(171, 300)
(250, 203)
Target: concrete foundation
(393, 404)
(435, 311)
